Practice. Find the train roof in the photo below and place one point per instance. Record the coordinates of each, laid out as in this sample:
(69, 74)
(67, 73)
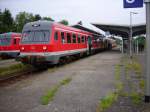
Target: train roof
(44, 24)
(35, 25)
(72, 28)
(9, 34)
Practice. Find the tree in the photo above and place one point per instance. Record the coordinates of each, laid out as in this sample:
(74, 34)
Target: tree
(47, 18)
(140, 41)
(65, 22)
(6, 21)
(37, 17)
(22, 18)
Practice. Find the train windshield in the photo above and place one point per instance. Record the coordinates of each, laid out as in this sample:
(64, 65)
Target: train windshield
(4, 40)
(38, 36)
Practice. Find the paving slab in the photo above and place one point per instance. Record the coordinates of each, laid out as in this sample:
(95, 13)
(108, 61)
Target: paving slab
(92, 79)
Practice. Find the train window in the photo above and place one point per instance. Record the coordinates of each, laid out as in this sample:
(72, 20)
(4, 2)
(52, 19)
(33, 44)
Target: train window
(38, 36)
(15, 41)
(68, 38)
(74, 38)
(4, 41)
(79, 39)
(27, 36)
(62, 37)
(41, 36)
(56, 36)
(83, 39)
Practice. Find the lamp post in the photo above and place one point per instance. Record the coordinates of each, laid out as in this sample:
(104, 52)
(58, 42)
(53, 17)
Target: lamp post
(122, 46)
(131, 32)
(137, 46)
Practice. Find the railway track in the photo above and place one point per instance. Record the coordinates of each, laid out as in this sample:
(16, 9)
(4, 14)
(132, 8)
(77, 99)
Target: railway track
(17, 75)
(8, 62)
(25, 73)
(32, 70)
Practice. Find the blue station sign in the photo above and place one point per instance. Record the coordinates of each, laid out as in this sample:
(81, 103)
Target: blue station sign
(133, 3)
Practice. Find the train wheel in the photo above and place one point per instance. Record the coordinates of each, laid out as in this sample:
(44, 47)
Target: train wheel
(39, 67)
(68, 59)
(62, 61)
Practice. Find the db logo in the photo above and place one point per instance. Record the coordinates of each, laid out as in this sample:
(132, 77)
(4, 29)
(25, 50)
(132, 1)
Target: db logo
(130, 1)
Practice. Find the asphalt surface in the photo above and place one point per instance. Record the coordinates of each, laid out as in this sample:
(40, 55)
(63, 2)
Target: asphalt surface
(92, 79)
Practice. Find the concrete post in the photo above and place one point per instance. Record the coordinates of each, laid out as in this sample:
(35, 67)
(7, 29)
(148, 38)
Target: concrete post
(147, 93)
(122, 46)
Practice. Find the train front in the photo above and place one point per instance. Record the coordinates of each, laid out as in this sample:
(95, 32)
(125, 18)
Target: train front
(35, 43)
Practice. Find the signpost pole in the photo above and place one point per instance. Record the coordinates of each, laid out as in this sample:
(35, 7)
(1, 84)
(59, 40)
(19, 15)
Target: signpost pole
(130, 39)
(147, 93)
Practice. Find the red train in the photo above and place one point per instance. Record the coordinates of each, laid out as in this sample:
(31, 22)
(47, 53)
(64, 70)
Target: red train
(9, 44)
(51, 43)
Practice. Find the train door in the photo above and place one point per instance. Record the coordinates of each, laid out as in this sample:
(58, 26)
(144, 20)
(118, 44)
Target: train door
(79, 41)
(57, 40)
(63, 40)
(89, 45)
(14, 42)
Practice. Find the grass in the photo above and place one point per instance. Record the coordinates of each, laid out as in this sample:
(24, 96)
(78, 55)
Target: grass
(119, 86)
(5, 71)
(135, 66)
(117, 72)
(107, 101)
(65, 81)
(142, 84)
(49, 96)
(123, 94)
(136, 98)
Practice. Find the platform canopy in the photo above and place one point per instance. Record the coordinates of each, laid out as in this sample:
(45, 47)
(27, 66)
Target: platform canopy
(122, 30)
(78, 26)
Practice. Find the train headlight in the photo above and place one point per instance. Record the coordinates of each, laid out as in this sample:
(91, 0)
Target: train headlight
(44, 47)
(22, 48)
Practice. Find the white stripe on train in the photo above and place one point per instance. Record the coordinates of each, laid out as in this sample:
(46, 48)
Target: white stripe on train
(52, 53)
(9, 51)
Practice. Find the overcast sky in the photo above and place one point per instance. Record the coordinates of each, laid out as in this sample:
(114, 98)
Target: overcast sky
(90, 11)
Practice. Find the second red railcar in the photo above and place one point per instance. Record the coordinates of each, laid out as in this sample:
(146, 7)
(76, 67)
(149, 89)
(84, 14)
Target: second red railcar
(9, 44)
